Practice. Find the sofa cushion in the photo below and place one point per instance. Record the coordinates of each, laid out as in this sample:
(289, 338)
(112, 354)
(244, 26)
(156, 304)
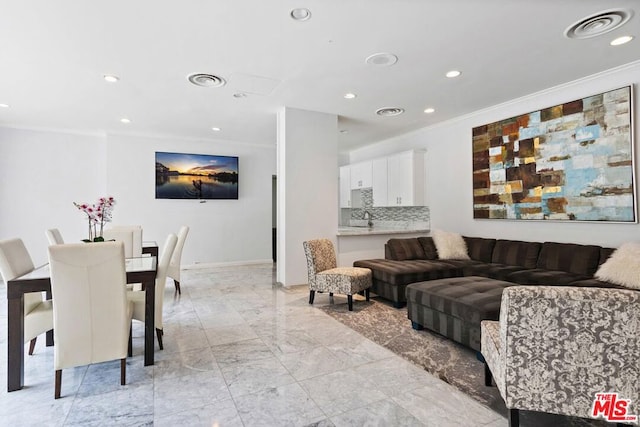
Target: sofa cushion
(429, 247)
(622, 267)
(516, 252)
(405, 249)
(450, 245)
(479, 248)
(569, 257)
(471, 299)
(540, 276)
(408, 271)
(595, 283)
(491, 270)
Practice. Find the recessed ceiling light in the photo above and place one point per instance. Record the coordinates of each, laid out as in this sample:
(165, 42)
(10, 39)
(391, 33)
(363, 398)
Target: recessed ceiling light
(350, 95)
(389, 111)
(215, 129)
(381, 59)
(621, 40)
(301, 14)
(4, 105)
(344, 131)
(453, 73)
(429, 110)
(111, 78)
(125, 120)
(240, 95)
(206, 80)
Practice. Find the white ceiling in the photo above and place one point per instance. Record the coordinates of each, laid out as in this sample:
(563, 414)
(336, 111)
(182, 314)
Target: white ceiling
(53, 55)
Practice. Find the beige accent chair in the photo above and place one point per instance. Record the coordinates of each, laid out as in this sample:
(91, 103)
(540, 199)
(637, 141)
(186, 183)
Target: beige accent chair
(91, 316)
(176, 259)
(15, 261)
(137, 297)
(325, 276)
(130, 235)
(555, 347)
(54, 237)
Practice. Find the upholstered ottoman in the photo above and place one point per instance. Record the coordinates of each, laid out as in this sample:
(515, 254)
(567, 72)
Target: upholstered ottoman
(454, 307)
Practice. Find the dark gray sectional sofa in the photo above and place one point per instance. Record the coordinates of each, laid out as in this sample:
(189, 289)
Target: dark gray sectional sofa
(452, 296)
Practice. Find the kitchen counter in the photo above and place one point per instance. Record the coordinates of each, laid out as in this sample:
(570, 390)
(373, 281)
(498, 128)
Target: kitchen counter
(368, 231)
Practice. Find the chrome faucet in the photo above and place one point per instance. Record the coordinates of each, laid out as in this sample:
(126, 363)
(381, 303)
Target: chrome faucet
(367, 215)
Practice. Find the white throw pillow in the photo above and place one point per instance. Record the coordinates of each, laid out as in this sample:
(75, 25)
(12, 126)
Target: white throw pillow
(449, 245)
(622, 267)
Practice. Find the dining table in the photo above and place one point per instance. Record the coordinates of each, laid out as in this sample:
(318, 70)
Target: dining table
(138, 270)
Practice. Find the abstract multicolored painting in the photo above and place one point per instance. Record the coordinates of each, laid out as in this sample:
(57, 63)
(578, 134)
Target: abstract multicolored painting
(572, 161)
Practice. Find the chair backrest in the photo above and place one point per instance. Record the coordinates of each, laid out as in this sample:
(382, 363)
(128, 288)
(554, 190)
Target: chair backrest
(131, 237)
(54, 237)
(176, 259)
(168, 249)
(90, 311)
(137, 237)
(14, 262)
(320, 255)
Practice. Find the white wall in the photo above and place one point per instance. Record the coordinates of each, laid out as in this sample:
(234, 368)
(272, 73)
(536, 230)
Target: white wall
(449, 166)
(42, 173)
(221, 231)
(307, 187)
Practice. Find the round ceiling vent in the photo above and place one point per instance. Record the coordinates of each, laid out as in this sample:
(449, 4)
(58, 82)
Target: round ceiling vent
(382, 59)
(206, 80)
(597, 24)
(389, 111)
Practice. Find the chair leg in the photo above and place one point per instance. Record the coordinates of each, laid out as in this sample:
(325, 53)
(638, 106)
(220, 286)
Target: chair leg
(58, 385)
(177, 285)
(366, 294)
(32, 345)
(514, 417)
(130, 346)
(123, 371)
(159, 334)
(312, 295)
(488, 377)
(350, 302)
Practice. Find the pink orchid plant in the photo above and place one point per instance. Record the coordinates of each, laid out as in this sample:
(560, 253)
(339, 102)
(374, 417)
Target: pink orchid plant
(98, 214)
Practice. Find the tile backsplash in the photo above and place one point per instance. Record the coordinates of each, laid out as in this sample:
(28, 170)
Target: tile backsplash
(392, 213)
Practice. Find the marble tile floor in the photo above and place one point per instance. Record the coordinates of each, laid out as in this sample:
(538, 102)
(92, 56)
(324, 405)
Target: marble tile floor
(241, 351)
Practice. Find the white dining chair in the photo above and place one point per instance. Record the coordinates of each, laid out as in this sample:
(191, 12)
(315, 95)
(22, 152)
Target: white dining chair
(137, 237)
(91, 314)
(132, 239)
(15, 261)
(54, 237)
(137, 296)
(174, 266)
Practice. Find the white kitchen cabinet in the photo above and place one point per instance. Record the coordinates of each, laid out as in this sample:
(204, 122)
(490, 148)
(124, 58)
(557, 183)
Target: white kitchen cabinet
(379, 182)
(345, 186)
(405, 179)
(360, 175)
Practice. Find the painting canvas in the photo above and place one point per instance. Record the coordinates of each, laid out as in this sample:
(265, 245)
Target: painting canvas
(572, 161)
(196, 176)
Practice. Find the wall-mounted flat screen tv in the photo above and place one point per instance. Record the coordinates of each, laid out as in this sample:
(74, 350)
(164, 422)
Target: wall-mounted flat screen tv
(196, 176)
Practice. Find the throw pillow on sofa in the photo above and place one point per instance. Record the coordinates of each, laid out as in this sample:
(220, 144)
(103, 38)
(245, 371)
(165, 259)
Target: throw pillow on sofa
(622, 267)
(450, 245)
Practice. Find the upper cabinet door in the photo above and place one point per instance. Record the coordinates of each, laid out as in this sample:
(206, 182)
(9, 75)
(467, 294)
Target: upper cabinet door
(360, 175)
(405, 181)
(379, 182)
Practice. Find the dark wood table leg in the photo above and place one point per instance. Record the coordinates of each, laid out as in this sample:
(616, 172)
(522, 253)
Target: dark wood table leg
(149, 320)
(49, 333)
(15, 343)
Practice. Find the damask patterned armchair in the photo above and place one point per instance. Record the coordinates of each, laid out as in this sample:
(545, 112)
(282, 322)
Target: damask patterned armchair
(555, 347)
(324, 276)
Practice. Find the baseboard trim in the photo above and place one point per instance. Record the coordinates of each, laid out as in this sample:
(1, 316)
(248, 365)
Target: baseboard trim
(202, 265)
